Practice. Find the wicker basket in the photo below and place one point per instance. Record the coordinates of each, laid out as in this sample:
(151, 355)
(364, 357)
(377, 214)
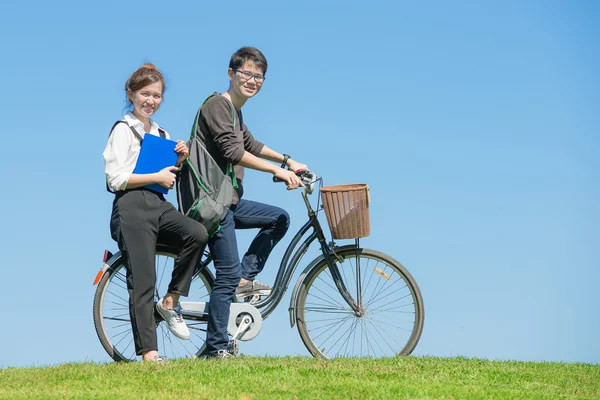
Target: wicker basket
(347, 210)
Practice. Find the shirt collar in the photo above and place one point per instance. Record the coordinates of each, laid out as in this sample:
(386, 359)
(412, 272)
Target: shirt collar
(136, 123)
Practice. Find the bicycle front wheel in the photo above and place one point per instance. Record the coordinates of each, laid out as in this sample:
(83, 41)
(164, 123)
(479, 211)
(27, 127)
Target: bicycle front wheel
(111, 311)
(389, 323)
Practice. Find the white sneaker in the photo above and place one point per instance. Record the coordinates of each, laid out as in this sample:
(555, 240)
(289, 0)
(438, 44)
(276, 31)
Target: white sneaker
(174, 321)
(157, 359)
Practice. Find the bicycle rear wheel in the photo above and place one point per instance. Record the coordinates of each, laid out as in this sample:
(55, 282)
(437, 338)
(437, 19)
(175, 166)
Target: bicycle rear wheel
(392, 320)
(111, 311)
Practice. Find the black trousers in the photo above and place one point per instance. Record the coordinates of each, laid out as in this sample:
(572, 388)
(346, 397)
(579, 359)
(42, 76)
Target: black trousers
(140, 219)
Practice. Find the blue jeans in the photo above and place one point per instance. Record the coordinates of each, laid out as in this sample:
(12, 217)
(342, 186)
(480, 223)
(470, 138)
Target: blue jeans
(273, 223)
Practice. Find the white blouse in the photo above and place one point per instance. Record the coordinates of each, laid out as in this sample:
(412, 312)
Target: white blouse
(122, 151)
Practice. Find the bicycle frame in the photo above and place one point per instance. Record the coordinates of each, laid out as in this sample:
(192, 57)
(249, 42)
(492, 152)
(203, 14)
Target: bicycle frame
(292, 257)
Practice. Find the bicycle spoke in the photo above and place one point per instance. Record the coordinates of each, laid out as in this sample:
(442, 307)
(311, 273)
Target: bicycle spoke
(328, 325)
(196, 331)
(117, 308)
(122, 277)
(123, 332)
(194, 325)
(122, 326)
(385, 291)
(388, 295)
(378, 322)
(388, 282)
(116, 319)
(159, 282)
(377, 343)
(346, 339)
(341, 267)
(390, 334)
(324, 320)
(396, 309)
(371, 276)
(128, 344)
(370, 342)
(378, 332)
(119, 285)
(354, 336)
(125, 305)
(126, 301)
(389, 325)
(335, 302)
(121, 315)
(191, 353)
(337, 341)
(353, 269)
(167, 336)
(127, 347)
(338, 328)
(333, 287)
(327, 309)
(333, 325)
(195, 295)
(351, 332)
(360, 328)
(376, 289)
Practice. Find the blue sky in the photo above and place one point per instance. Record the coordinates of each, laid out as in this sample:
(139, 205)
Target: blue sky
(475, 124)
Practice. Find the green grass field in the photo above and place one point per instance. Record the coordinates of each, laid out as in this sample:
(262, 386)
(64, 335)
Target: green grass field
(306, 378)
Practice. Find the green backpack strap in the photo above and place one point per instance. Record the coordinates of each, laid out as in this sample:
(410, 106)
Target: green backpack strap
(229, 170)
(231, 173)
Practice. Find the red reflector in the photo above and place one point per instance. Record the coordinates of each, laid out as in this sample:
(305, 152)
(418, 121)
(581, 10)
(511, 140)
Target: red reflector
(107, 255)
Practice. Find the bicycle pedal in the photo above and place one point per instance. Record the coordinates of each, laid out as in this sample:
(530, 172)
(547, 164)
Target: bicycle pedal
(249, 299)
(254, 299)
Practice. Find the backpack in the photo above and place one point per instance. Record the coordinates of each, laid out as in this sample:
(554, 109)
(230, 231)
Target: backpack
(204, 192)
(161, 132)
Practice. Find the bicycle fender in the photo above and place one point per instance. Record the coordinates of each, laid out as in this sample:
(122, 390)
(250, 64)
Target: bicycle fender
(106, 266)
(302, 278)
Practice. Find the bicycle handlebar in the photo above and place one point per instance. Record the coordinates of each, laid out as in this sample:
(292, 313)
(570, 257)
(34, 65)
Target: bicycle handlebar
(307, 177)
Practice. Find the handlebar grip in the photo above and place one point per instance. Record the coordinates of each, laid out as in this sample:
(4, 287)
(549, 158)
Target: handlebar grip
(300, 173)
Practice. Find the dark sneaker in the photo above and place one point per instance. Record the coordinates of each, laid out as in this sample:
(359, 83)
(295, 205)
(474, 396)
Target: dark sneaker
(220, 354)
(233, 347)
(223, 354)
(251, 288)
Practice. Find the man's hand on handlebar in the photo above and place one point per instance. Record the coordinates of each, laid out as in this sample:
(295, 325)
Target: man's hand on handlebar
(292, 181)
(296, 166)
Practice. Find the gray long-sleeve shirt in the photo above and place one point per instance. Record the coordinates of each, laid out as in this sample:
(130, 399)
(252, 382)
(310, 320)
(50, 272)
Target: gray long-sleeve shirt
(222, 140)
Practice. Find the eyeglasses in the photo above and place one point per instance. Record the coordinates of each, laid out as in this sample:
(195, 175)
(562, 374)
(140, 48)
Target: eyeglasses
(247, 75)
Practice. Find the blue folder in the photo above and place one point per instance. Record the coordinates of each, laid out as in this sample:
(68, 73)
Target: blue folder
(156, 153)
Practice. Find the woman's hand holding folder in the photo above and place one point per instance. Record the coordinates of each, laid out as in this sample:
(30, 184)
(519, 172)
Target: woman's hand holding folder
(166, 177)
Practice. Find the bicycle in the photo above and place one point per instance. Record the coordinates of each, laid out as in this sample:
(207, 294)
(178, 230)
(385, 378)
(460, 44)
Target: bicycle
(383, 318)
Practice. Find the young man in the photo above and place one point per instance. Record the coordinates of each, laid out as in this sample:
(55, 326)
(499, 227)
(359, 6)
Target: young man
(222, 130)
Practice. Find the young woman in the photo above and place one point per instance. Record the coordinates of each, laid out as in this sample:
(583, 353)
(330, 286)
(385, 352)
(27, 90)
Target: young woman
(142, 217)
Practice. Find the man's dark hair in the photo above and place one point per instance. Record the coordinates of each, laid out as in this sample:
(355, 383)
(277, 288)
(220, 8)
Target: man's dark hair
(245, 54)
